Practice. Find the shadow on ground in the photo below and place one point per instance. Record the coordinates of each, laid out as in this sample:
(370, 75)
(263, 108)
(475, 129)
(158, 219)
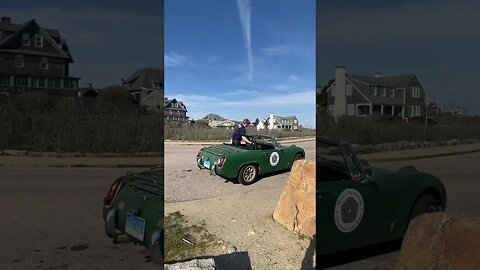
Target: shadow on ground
(350, 256)
(308, 262)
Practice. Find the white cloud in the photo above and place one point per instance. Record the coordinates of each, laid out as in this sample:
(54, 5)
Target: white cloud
(284, 49)
(241, 92)
(174, 59)
(245, 14)
(292, 78)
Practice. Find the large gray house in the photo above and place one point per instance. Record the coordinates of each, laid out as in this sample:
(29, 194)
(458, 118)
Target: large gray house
(360, 95)
(146, 87)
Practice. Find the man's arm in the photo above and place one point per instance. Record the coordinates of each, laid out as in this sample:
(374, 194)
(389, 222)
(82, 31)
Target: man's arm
(246, 140)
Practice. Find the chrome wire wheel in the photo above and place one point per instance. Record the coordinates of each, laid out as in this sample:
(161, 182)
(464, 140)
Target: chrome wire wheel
(248, 174)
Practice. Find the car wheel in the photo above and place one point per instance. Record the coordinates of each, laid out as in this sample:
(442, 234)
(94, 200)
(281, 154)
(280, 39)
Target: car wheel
(248, 174)
(297, 157)
(425, 204)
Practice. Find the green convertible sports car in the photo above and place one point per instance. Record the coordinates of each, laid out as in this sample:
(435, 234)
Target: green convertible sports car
(246, 163)
(358, 205)
(133, 207)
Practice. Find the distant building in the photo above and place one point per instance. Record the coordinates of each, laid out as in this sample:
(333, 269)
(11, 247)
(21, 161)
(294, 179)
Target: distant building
(175, 110)
(282, 122)
(33, 58)
(85, 99)
(146, 87)
(360, 95)
(260, 126)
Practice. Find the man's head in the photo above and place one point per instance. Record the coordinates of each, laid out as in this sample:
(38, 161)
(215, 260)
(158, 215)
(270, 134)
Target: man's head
(246, 122)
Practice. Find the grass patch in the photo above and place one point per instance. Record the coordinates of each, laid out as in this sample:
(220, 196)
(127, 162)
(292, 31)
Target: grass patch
(184, 240)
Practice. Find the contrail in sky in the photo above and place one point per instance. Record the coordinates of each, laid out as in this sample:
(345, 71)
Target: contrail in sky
(245, 13)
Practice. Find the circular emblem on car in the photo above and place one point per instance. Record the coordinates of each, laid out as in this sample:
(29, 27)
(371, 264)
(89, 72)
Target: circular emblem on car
(274, 158)
(348, 210)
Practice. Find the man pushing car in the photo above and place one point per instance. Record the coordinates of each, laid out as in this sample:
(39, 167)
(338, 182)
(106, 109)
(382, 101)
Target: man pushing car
(240, 133)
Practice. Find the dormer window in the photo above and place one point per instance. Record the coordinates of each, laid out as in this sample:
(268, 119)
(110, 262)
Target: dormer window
(44, 63)
(157, 85)
(19, 62)
(38, 41)
(26, 39)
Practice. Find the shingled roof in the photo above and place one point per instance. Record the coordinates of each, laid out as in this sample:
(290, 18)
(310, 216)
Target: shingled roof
(362, 83)
(145, 78)
(13, 32)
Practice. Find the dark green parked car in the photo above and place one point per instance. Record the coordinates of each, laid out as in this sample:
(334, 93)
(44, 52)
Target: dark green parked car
(133, 207)
(247, 162)
(358, 205)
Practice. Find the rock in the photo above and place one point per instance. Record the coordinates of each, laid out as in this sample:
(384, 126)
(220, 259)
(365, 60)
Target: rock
(231, 250)
(198, 264)
(441, 241)
(296, 207)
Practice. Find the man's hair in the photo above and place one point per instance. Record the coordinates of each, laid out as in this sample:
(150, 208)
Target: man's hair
(246, 121)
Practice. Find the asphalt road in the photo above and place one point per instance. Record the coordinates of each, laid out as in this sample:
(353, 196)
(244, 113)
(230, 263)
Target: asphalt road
(460, 175)
(51, 218)
(186, 182)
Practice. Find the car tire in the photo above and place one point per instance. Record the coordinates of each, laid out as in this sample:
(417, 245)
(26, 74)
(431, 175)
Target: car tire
(248, 174)
(298, 156)
(427, 203)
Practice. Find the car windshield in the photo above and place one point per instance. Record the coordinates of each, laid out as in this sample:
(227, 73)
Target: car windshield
(336, 162)
(266, 142)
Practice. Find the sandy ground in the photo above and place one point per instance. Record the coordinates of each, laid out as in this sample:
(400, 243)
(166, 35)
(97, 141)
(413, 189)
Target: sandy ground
(239, 215)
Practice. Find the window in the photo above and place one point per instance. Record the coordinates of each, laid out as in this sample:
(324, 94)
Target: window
(416, 92)
(157, 85)
(4, 80)
(44, 63)
(375, 91)
(19, 62)
(351, 109)
(37, 82)
(384, 92)
(349, 90)
(363, 110)
(38, 41)
(21, 81)
(70, 84)
(415, 111)
(330, 109)
(392, 92)
(53, 83)
(26, 39)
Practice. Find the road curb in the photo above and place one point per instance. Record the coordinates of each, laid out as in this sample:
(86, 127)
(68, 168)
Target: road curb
(424, 156)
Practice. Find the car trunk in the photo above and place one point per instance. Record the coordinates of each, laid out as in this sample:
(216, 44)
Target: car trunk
(213, 153)
(142, 197)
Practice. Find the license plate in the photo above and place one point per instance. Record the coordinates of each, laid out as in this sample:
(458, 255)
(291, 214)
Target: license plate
(135, 226)
(206, 163)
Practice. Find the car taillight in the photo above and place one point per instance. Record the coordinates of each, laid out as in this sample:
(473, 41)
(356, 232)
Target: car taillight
(199, 153)
(112, 192)
(221, 161)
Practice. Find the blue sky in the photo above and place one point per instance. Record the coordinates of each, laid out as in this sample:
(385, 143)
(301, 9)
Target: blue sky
(437, 40)
(241, 59)
(108, 40)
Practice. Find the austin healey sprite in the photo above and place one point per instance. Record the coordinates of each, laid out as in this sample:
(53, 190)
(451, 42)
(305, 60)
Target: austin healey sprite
(359, 205)
(247, 162)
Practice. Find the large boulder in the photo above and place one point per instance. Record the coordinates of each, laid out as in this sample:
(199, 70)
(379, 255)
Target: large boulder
(296, 208)
(441, 241)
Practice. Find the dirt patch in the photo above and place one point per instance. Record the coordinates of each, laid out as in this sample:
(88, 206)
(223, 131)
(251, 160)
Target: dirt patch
(185, 239)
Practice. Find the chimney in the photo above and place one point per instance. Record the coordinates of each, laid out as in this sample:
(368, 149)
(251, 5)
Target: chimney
(340, 104)
(270, 122)
(377, 75)
(6, 19)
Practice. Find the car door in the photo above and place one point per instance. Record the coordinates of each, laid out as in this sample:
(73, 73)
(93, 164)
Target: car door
(347, 208)
(269, 159)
